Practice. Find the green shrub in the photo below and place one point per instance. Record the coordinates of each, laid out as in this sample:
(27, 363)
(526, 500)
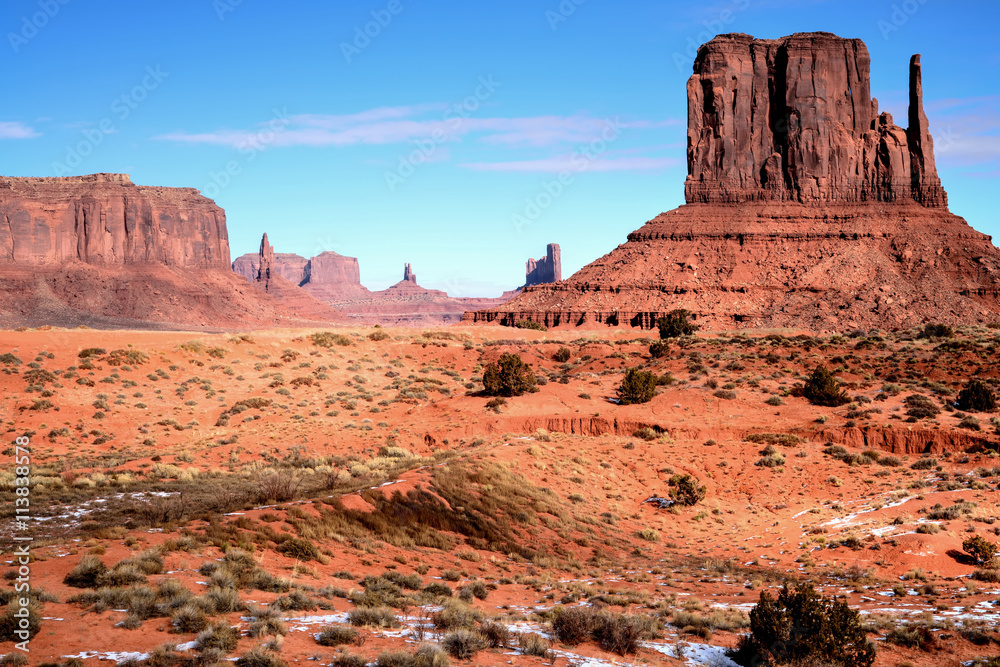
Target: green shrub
(92, 352)
(822, 388)
(495, 634)
(980, 548)
(87, 573)
(127, 358)
(645, 433)
(394, 659)
(462, 644)
(329, 339)
(920, 407)
(675, 324)
(562, 355)
(535, 645)
(378, 335)
(659, 348)
(429, 655)
(11, 623)
(531, 324)
(802, 626)
(220, 637)
(456, 614)
(189, 618)
(638, 386)
(937, 330)
(437, 589)
(345, 659)
(300, 548)
(509, 376)
(374, 617)
(335, 635)
(976, 397)
(573, 625)
(685, 490)
(257, 657)
(620, 633)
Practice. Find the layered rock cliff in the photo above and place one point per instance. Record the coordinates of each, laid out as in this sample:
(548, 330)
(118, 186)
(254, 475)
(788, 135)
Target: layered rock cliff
(806, 208)
(793, 119)
(106, 220)
(102, 251)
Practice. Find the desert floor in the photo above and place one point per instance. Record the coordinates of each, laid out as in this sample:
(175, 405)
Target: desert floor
(289, 467)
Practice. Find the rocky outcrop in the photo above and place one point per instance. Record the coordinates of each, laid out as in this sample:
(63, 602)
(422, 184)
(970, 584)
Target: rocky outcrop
(103, 252)
(329, 268)
(806, 208)
(106, 220)
(545, 270)
(335, 281)
(793, 119)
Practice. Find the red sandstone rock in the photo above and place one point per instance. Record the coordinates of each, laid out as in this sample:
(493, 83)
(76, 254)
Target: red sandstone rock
(101, 251)
(104, 219)
(806, 208)
(545, 270)
(792, 119)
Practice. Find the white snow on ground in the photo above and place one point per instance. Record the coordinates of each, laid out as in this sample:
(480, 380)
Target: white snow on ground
(303, 623)
(115, 657)
(694, 654)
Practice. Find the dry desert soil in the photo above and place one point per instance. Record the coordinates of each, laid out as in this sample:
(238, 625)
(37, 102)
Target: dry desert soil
(201, 498)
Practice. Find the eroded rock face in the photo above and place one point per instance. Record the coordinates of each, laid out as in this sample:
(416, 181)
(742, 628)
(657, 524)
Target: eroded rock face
(806, 209)
(793, 119)
(545, 270)
(106, 220)
(329, 268)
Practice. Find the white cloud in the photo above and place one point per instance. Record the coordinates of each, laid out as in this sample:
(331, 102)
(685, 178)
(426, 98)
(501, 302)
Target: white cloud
(577, 163)
(15, 130)
(410, 124)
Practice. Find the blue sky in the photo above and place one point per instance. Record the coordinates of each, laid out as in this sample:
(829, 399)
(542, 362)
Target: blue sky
(424, 143)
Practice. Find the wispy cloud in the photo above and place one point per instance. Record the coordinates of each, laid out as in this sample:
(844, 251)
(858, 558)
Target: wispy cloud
(408, 124)
(577, 163)
(15, 130)
(966, 130)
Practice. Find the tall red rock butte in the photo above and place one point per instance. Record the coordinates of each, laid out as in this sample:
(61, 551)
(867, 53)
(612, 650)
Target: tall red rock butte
(806, 208)
(548, 269)
(101, 251)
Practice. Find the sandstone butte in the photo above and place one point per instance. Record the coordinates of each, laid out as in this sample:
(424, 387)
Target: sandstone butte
(101, 251)
(335, 280)
(805, 208)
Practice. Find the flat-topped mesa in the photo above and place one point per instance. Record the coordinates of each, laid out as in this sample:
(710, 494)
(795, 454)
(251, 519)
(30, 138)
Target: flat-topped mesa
(545, 270)
(330, 268)
(106, 220)
(792, 119)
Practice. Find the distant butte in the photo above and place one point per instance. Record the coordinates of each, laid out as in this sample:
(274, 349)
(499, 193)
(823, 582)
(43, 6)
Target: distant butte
(806, 208)
(335, 280)
(101, 251)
